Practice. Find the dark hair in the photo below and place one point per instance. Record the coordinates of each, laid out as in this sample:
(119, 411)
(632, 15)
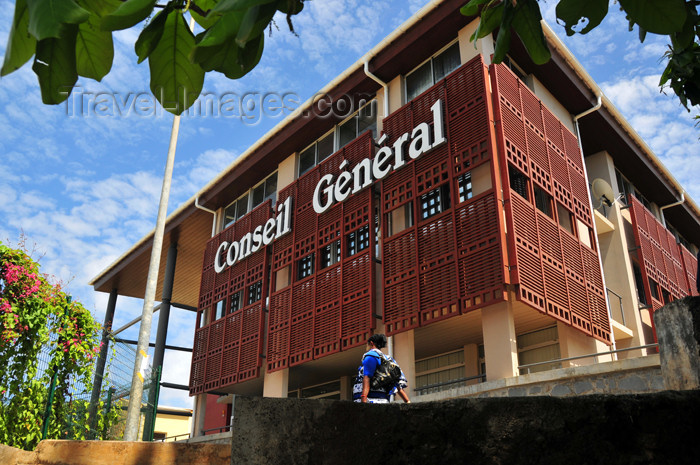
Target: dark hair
(379, 340)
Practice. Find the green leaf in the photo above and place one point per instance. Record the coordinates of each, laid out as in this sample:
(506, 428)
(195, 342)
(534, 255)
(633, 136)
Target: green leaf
(20, 44)
(254, 22)
(205, 21)
(128, 14)
(490, 20)
(656, 16)
(290, 7)
(527, 24)
(47, 18)
(571, 12)
(55, 66)
(504, 33)
(94, 50)
(151, 34)
(100, 7)
(231, 5)
(175, 81)
(472, 8)
(227, 27)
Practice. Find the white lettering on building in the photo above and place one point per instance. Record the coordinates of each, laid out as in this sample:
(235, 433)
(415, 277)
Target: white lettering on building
(331, 189)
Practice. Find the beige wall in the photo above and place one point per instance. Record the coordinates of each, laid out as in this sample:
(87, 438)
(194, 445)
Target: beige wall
(500, 344)
(404, 351)
(173, 425)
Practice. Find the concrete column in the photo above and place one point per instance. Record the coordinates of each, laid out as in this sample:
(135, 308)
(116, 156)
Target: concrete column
(405, 355)
(471, 362)
(198, 414)
(573, 343)
(102, 360)
(346, 387)
(276, 384)
(678, 330)
(500, 345)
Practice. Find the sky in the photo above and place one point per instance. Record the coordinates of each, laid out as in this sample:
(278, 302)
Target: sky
(80, 184)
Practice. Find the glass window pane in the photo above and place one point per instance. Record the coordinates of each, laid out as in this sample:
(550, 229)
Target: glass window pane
(418, 81)
(446, 62)
(242, 208)
(367, 119)
(347, 132)
(258, 195)
(325, 147)
(307, 159)
(230, 215)
(271, 187)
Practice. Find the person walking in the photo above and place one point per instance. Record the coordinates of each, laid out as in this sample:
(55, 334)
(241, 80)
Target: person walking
(362, 389)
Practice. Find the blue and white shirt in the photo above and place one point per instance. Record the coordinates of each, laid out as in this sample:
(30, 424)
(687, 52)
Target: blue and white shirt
(370, 361)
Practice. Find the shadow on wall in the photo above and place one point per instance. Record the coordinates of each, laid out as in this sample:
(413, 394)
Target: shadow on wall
(626, 429)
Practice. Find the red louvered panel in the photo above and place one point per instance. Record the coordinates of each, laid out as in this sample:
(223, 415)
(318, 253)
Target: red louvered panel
(357, 275)
(232, 333)
(580, 310)
(550, 243)
(356, 211)
(539, 163)
(436, 239)
(216, 336)
(230, 364)
(553, 131)
(212, 374)
(572, 253)
(477, 222)
(592, 273)
(439, 293)
(278, 348)
(529, 276)
(467, 135)
(579, 188)
(481, 277)
(399, 257)
(397, 190)
(556, 291)
(327, 323)
(532, 111)
(431, 171)
(690, 265)
(305, 227)
(359, 149)
(303, 294)
(197, 377)
(524, 222)
(601, 320)
(356, 322)
(300, 337)
(421, 106)
(305, 186)
(400, 311)
(328, 287)
(249, 359)
(201, 340)
(329, 226)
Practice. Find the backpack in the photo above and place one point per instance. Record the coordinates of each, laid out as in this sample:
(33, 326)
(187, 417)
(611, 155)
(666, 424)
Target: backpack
(386, 376)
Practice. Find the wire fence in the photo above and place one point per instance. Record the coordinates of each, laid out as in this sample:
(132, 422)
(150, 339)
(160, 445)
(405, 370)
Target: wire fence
(89, 413)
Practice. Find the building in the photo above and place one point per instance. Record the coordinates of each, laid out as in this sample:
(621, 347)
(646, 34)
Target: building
(451, 209)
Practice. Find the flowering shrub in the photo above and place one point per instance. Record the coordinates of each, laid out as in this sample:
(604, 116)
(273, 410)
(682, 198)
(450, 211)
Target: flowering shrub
(39, 322)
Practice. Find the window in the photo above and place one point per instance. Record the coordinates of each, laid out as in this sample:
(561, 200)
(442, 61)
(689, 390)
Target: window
(267, 189)
(543, 201)
(219, 309)
(564, 216)
(305, 266)
(442, 372)
(323, 391)
(399, 219)
(464, 184)
(254, 292)
(627, 189)
(518, 182)
(358, 240)
(539, 346)
(432, 71)
(330, 254)
(236, 302)
(363, 120)
(434, 202)
(639, 283)
(518, 71)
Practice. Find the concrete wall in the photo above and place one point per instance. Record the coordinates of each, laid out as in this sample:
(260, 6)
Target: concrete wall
(626, 429)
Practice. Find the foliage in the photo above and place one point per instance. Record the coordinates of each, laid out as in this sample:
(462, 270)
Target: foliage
(677, 19)
(40, 323)
(71, 38)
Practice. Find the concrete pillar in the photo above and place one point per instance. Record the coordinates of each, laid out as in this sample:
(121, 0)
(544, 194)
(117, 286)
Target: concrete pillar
(198, 415)
(405, 355)
(678, 331)
(276, 384)
(346, 387)
(573, 343)
(500, 344)
(471, 362)
(101, 361)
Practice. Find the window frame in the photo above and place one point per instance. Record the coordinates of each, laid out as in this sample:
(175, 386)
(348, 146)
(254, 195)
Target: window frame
(250, 204)
(432, 70)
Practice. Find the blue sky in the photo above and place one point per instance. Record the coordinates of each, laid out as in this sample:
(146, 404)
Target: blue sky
(84, 186)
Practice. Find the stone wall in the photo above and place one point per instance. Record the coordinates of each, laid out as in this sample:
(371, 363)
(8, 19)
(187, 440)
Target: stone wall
(659, 428)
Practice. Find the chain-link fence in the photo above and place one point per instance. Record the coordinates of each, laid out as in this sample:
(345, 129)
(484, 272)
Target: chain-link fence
(98, 411)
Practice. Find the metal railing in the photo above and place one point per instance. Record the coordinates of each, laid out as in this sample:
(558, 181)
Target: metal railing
(427, 387)
(579, 357)
(622, 312)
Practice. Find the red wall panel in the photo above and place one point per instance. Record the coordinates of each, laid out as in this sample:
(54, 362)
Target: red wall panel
(555, 272)
(453, 261)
